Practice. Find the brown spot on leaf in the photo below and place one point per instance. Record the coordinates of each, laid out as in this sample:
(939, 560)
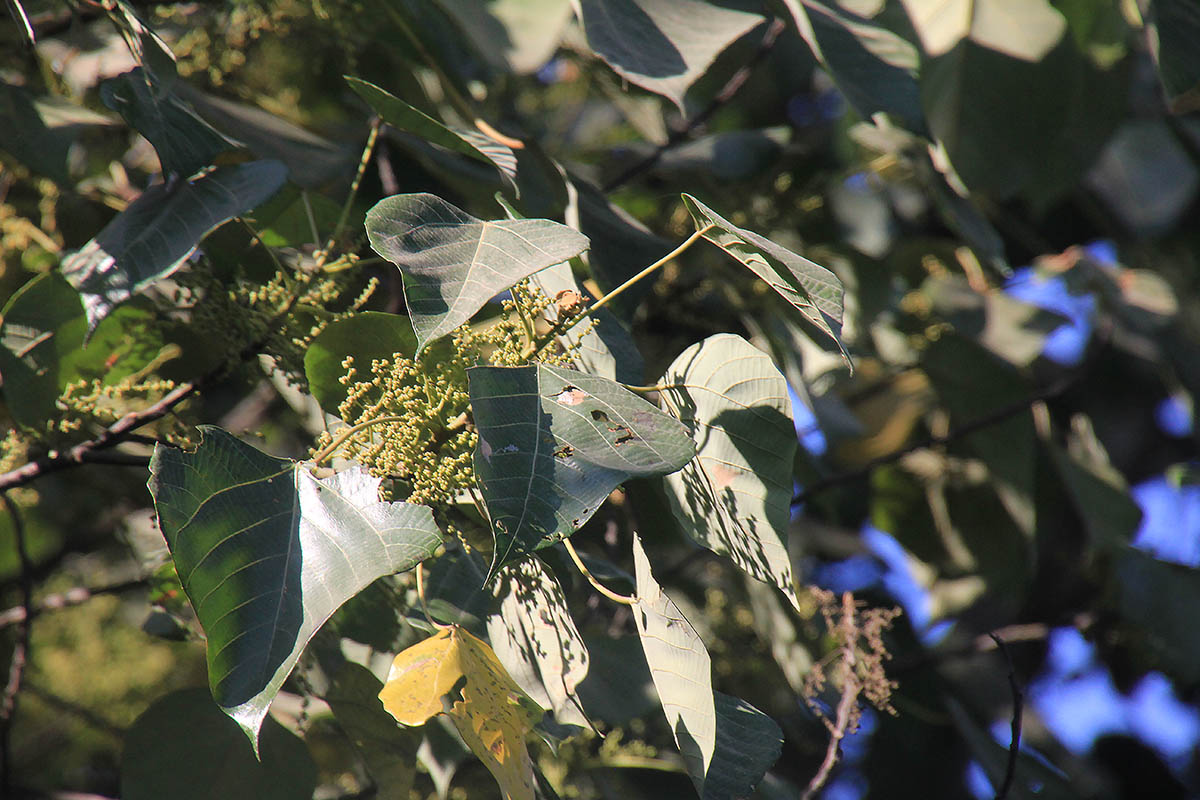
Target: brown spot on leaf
(721, 475)
(570, 396)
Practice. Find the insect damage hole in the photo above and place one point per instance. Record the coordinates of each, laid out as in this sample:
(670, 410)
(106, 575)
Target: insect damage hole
(570, 396)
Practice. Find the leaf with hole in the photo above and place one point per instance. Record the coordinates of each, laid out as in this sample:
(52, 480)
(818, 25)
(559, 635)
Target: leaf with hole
(553, 443)
(267, 552)
(734, 497)
(810, 288)
(455, 673)
(453, 263)
(153, 237)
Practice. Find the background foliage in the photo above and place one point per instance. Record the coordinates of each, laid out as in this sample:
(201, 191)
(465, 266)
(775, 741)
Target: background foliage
(987, 208)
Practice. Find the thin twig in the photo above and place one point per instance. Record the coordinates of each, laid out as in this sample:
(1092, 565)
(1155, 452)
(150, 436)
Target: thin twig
(986, 421)
(726, 94)
(20, 654)
(650, 270)
(1014, 747)
(368, 150)
(344, 436)
(420, 570)
(851, 687)
(77, 595)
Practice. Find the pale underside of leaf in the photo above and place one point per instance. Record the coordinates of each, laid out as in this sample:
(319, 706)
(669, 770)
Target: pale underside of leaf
(266, 553)
(553, 443)
(680, 667)
(452, 263)
(734, 497)
(535, 637)
(810, 288)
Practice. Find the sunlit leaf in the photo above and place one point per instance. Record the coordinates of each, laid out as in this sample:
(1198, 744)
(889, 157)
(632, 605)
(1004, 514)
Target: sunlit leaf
(1024, 29)
(455, 673)
(154, 236)
(734, 497)
(267, 552)
(810, 288)
(453, 263)
(680, 666)
(184, 748)
(389, 751)
(185, 143)
(520, 35)
(553, 443)
(661, 45)
(535, 637)
(402, 116)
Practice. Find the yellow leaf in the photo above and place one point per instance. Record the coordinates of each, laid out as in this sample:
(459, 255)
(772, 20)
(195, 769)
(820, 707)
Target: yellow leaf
(455, 673)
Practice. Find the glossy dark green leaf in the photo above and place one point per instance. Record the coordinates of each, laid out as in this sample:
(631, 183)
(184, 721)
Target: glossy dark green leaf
(681, 669)
(453, 263)
(810, 288)
(366, 336)
(402, 116)
(41, 347)
(185, 143)
(661, 45)
(184, 748)
(389, 750)
(735, 496)
(553, 443)
(267, 552)
(154, 236)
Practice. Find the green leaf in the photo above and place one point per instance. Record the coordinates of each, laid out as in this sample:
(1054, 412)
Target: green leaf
(735, 496)
(389, 750)
(27, 137)
(536, 640)
(1024, 29)
(516, 35)
(810, 288)
(748, 743)
(366, 336)
(184, 748)
(154, 236)
(266, 553)
(680, 667)
(453, 263)
(661, 45)
(874, 68)
(185, 143)
(553, 443)
(402, 116)
(41, 347)
(1176, 26)
(1158, 599)
(618, 686)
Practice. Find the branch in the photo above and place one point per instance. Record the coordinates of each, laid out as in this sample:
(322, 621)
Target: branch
(1010, 769)
(89, 451)
(986, 421)
(77, 595)
(851, 686)
(20, 654)
(726, 94)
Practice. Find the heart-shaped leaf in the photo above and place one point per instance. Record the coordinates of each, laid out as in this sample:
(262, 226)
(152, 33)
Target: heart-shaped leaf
(154, 236)
(266, 553)
(810, 288)
(680, 666)
(735, 496)
(553, 443)
(453, 263)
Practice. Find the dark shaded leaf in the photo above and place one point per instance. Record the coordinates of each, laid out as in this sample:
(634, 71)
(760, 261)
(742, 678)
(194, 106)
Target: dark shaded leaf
(154, 236)
(389, 750)
(366, 336)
